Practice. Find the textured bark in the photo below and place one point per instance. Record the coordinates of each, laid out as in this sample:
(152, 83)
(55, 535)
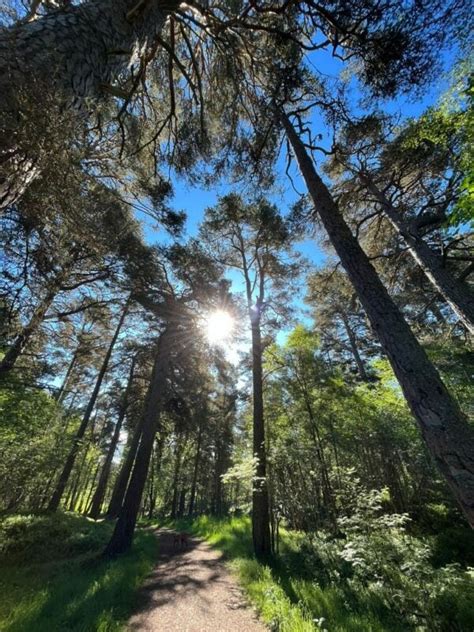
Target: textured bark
(444, 428)
(260, 508)
(66, 472)
(457, 294)
(99, 493)
(122, 536)
(73, 54)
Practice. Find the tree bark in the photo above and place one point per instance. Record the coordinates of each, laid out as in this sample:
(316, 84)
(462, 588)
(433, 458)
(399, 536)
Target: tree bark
(123, 477)
(99, 493)
(444, 428)
(197, 460)
(65, 60)
(354, 349)
(177, 470)
(260, 510)
(122, 536)
(457, 294)
(64, 477)
(60, 394)
(14, 352)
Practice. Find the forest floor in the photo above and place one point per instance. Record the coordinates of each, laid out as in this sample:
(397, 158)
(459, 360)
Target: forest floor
(191, 590)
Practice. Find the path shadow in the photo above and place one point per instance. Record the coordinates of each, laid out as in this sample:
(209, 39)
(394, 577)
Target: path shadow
(175, 572)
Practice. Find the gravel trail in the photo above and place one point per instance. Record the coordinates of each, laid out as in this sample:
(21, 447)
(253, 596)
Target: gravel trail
(190, 590)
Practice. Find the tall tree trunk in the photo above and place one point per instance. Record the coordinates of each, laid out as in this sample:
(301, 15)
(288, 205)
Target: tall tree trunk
(156, 467)
(177, 471)
(457, 294)
(182, 503)
(355, 351)
(122, 536)
(60, 394)
(197, 460)
(120, 487)
(443, 426)
(90, 486)
(99, 493)
(260, 510)
(64, 477)
(63, 61)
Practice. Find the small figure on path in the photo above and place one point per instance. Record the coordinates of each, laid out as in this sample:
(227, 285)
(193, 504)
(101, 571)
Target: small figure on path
(181, 540)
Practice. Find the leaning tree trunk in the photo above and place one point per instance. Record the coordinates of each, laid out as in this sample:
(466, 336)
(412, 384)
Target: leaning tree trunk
(120, 487)
(14, 352)
(260, 502)
(122, 536)
(457, 294)
(99, 493)
(64, 61)
(444, 428)
(354, 349)
(65, 474)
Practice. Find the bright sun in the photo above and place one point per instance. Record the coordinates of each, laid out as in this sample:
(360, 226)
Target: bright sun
(219, 326)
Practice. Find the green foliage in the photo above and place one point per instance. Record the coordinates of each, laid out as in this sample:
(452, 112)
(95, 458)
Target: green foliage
(53, 578)
(32, 433)
(373, 576)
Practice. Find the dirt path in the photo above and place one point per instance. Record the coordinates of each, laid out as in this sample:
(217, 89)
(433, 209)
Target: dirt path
(190, 590)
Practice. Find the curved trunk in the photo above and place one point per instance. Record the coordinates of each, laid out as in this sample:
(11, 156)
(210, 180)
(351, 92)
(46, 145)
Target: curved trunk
(445, 429)
(69, 57)
(457, 294)
(122, 536)
(65, 474)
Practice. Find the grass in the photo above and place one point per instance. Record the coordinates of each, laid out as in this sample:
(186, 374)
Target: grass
(53, 579)
(284, 593)
(294, 593)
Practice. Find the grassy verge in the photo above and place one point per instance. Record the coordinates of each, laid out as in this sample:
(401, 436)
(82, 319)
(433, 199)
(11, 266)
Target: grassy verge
(53, 579)
(285, 599)
(293, 595)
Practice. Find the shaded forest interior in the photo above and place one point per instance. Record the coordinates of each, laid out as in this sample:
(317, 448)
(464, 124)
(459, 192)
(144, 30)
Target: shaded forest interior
(236, 299)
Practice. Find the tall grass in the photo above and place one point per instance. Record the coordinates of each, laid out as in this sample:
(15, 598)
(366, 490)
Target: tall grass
(53, 579)
(298, 592)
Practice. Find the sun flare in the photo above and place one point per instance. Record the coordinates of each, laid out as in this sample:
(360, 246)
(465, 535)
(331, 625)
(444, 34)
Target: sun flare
(219, 326)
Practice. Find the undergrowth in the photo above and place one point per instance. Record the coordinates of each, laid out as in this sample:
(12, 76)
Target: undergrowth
(367, 581)
(54, 580)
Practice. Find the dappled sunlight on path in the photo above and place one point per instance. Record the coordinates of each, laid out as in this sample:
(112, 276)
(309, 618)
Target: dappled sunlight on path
(190, 590)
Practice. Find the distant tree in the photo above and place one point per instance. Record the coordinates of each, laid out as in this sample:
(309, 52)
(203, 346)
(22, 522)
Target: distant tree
(340, 320)
(188, 279)
(254, 239)
(414, 180)
(66, 472)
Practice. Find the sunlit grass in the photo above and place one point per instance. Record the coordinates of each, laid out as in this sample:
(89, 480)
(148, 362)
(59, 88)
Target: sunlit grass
(285, 594)
(53, 578)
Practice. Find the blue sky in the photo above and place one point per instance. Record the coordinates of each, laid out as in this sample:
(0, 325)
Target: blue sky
(194, 200)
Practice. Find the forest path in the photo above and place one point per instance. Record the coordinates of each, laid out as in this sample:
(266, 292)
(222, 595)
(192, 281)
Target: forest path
(190, 590)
